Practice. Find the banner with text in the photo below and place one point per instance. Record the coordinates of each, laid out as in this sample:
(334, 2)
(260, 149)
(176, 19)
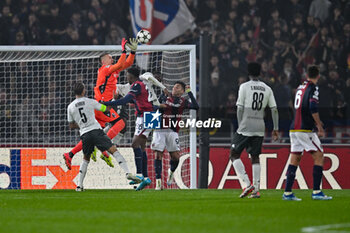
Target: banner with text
(44, 168)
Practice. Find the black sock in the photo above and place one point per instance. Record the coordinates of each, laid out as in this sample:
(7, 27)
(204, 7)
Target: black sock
(290, 177)
(144, 164)
(138, 160)
(158, 168)
(173, 164)
(317, 174)
(71, 154)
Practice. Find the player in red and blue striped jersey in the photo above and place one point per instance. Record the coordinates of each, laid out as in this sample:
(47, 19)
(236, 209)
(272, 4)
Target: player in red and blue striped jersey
(139, 95)
(302, 135)
(168, 138)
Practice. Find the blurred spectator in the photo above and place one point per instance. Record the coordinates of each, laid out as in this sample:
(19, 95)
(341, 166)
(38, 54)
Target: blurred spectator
(276, 21)
(206, 10)
(230, 106)
(283, 95)
(234, 72)
(5, 21)
(347, 100)
(320, 9)
(216, 95)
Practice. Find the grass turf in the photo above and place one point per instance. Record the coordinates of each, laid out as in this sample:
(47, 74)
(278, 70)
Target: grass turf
(167, 211)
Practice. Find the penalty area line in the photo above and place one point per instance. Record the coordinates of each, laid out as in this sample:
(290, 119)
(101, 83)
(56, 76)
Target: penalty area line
(328, 228)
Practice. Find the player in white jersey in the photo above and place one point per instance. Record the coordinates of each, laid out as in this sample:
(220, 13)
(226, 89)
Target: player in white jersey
(253, 97)
(149, 80)
(81, 115)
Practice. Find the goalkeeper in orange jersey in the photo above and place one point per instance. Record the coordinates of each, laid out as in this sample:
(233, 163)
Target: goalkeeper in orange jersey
(105, 90)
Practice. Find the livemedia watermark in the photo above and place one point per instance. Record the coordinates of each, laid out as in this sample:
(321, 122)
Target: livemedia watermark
(157, 120)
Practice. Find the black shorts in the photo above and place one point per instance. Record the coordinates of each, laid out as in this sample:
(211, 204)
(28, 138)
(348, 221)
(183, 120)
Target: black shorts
(96, 138)
(251, 144)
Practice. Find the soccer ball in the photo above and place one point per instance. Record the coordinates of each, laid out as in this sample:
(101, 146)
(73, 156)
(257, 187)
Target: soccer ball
(143, 36)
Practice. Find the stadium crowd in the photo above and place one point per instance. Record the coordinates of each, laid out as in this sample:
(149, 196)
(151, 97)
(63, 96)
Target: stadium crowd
(284, 36)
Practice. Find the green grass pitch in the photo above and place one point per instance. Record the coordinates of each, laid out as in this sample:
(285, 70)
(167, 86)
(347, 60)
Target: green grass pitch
(167, 211)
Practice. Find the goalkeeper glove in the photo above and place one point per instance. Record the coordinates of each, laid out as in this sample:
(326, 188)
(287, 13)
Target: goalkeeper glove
(188, 89)
(132, 44)
(123, 45)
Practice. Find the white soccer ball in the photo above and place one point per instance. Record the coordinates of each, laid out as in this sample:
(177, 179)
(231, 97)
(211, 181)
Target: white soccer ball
(143, 36)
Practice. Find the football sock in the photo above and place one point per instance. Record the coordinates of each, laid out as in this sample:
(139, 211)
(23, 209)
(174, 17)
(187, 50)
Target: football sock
(317, 175)
(82, 172)
(77, 148)
(173, 165)
(256, 176)
(144, 164)
(116, 128)
(290, 177)
(71, 154)
(240, 171)
(158, 168)
(138, 160)
(122, 162)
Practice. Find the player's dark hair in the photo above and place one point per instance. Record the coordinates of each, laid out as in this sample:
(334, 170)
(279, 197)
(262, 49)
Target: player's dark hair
(134, 71)
(79, 88)
(102, 55)
(254, 69)
(313, 71)
(183, 85)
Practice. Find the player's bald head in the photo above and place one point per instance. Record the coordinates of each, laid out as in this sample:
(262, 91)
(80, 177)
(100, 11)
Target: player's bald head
(106, 59)
(102, 56)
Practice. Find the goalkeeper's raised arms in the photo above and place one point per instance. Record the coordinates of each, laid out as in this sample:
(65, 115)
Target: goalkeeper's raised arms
(132, 44)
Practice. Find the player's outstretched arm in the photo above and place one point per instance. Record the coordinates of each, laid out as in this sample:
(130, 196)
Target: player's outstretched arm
(149, 77)
(132, 44)
(121, 61)
(193, 104)
(126, 99)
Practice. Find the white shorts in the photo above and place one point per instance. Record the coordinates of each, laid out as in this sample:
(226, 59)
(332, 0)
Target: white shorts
(139, 129)
(300, 141)
(165, 139)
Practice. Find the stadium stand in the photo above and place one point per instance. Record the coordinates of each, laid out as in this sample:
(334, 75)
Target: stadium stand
(285, 37)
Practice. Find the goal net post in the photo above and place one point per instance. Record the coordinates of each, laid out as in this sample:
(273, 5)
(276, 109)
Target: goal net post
(35, 90)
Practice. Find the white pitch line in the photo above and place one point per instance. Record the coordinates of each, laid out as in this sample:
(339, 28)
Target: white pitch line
(331, 228)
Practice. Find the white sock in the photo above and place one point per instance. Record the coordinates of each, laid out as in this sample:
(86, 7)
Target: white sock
(82, 172)
(256, 176)
(240, 170)
(122, 162)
